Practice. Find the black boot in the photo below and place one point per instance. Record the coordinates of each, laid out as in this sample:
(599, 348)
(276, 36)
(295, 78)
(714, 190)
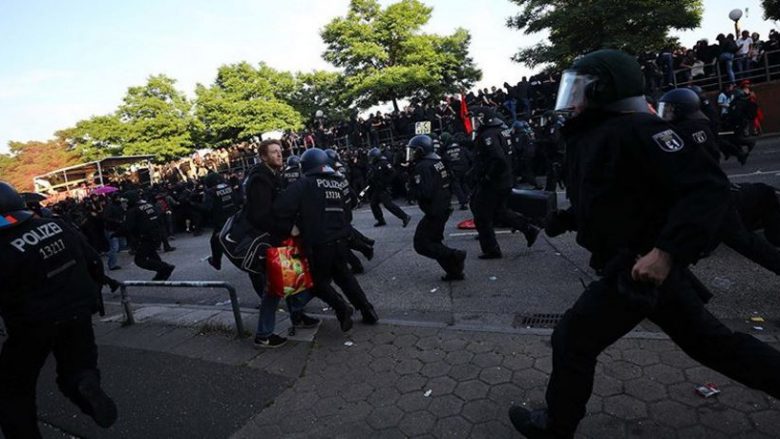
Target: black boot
(380, 223)
(531, 233)
(532, 424)
(94, 402)
(370, 316)
(216, 263)
(345, 318)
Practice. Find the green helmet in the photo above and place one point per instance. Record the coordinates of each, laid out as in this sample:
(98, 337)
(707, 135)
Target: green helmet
(599, 79)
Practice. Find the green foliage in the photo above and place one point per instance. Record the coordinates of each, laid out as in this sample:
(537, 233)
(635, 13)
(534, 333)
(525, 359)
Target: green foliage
(320, 90)
(386, 57)
(157, 119)
(579, 27)
(245, 101)
(771, 9)
(153, 119)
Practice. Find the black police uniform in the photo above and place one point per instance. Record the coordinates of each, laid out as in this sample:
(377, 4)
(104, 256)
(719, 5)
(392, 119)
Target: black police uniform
(733, 232)
(50, 280)
(457, 161)
(380, 176)
(142, 223)
(634, 185)
(290, 174)
(522, 157)
(317, 203)
(221, 202)
(493, 175)
(431, 185)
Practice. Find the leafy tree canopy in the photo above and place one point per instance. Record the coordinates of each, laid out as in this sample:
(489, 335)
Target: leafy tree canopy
(386, 57)
(29, 159)
(771, 9)
(245, 101)
(578, 27)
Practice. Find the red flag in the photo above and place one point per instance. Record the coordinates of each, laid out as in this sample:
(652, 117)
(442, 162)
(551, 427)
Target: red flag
(464, 115)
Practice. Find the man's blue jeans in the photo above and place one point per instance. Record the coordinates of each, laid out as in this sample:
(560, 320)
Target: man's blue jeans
(727, 58)
(113, 249)
(266, 320)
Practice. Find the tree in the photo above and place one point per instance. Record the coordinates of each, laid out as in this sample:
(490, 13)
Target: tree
(96, 137)
(579, 27)
(244, 102)
(385, 56)
(771, 9)
(320, 90)
(157, 119)
(26, 160)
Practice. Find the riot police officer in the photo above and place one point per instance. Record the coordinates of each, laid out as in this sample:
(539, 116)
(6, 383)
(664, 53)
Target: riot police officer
(380, 176)
(682, 107)
(143, 225)
(292, 171)
(552, 148)
(431, 184)
(318, 204)
(523, 153)
(456, 158)
(220, 202)
(50, 280)
(646, 204)
(493, 184)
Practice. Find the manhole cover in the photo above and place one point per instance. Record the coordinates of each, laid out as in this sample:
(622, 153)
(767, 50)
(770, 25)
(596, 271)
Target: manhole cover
(537, 320)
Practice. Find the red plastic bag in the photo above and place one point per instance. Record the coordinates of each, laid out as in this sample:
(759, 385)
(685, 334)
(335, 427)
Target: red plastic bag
(287, 269)
(467, 225)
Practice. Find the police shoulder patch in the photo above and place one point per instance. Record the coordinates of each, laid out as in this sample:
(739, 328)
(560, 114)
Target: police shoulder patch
(699, 137)
(488, 141)
(669, 141)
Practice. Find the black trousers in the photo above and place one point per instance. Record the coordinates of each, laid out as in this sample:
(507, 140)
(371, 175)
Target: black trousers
(329, 263)
(604, 313)
(429, 239)
(24, 354)
(382, 198)
(489, 206)
(216, 247)
(459, 187)
(146, 257)
(734, 234)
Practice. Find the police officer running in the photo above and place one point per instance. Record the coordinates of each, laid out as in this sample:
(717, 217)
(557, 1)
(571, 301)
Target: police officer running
(646, 204)
(143, 225)
(682, 107)
(317, 204)
(380, 175)
(50, 281)
(431, 185)
(493, 175)
(220, 202)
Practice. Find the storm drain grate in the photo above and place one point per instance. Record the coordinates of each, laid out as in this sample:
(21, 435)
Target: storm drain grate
(537, 320)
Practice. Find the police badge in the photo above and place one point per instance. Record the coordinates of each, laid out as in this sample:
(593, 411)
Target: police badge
(669, 141)
(699, 137)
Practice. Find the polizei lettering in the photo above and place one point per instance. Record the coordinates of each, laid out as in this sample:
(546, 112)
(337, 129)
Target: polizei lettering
(35, 236)
(331, 184)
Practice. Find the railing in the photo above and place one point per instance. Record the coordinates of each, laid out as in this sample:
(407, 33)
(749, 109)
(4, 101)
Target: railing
(128, 310)
(768, 70)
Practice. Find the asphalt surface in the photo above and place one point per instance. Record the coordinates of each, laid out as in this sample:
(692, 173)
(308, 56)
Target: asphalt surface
(497, 294)
(183, 397)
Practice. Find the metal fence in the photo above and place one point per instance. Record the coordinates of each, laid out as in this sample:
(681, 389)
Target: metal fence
(128, 310)
(768, 69)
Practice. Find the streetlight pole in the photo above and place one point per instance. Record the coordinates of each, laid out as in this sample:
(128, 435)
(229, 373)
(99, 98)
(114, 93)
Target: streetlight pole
(735, 15)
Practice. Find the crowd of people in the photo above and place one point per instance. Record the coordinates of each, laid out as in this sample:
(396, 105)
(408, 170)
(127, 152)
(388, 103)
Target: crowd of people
(647, 200)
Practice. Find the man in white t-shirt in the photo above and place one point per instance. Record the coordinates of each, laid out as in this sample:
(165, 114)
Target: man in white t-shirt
(741, 59)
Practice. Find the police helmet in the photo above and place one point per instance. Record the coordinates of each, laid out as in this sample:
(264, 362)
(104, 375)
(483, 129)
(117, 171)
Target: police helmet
(333, 156)
(678, 104)
(293, 161)
(132, 197)
(13, 210)
(315, 161)
(423, 147)
(212, 179)
(374, 154)
(599, 79)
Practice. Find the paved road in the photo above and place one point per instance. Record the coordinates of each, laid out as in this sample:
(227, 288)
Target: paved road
(545, 279)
